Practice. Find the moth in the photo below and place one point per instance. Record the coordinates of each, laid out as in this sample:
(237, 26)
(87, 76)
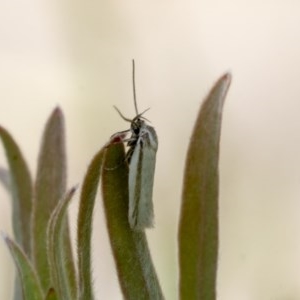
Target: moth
(141, 157)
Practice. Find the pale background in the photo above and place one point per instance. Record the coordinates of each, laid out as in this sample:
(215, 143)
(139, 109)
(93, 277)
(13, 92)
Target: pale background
(77, 54)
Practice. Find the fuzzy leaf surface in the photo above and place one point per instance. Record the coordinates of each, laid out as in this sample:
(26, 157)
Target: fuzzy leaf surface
(84, 225)
(50, 187)
(198, 227)
(136, 272)
(59, 275)
(18, 181)
(30, 283)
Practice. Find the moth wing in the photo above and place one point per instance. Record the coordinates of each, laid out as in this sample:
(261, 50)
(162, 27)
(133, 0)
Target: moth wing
(147, 179)
(134, 184)
(141, 177)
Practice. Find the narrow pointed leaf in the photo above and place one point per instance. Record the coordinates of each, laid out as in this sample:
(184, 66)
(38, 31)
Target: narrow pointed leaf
(84, 225)
(59, 274)
(20, 185)
(198, 227)
(18, 182)
(29, 280)
(50, 187)
(135, 269)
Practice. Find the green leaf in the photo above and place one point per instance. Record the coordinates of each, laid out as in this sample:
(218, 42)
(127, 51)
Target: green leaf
(135, 269)
(59, 275)
(198, 228)
(20, 185)
(50, 187)
(30, 283)
(18, 182)
(84, 225)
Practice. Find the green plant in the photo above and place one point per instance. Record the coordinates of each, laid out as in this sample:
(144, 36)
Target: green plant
(42, 249)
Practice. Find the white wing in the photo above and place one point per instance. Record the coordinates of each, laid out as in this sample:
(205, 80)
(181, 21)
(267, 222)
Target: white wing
(141, 176)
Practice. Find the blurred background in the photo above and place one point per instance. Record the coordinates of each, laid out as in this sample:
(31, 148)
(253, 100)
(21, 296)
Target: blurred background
(77, 54)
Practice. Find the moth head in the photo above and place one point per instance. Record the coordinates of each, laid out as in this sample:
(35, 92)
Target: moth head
(136, 124)
(138, 120)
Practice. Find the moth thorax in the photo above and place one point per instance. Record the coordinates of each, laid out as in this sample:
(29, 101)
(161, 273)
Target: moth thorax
(136, 126)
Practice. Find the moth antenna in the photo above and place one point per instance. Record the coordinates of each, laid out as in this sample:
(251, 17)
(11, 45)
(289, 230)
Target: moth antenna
(121, 115)
(133, 83)
(140, 116)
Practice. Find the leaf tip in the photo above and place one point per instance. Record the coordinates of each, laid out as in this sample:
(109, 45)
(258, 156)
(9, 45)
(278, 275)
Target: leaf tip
(3, 131)
(219, 91)
(57, 111)
(6, 239)
(4, 236)
(72, 191)
(225, 80)
(226, 76)
(57, 115)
